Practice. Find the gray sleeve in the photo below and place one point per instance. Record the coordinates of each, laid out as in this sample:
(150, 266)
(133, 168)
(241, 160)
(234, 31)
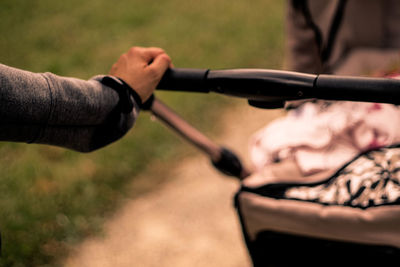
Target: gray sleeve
(67, 112)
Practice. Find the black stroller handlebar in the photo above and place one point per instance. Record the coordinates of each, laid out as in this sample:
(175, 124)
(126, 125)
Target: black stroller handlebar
(265, 89)
(271, 88)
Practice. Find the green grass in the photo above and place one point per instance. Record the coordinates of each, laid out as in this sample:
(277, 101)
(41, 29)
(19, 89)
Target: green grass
(51, 198)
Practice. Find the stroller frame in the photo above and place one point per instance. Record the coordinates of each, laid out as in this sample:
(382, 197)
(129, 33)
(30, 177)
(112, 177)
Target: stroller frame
(270, 89)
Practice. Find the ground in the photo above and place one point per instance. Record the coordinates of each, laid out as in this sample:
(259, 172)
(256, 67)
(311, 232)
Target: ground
(189, 220)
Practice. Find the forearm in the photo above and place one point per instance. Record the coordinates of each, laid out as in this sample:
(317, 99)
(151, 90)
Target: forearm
(48, 109)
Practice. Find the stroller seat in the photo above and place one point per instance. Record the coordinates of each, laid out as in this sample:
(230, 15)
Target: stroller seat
(351, 217)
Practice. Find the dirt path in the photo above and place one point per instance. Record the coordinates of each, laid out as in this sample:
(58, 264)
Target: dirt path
(188, 221)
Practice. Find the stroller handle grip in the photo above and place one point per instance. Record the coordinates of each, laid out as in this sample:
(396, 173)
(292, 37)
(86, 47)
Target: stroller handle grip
(263, 86)
(331, 87)
(181, 79)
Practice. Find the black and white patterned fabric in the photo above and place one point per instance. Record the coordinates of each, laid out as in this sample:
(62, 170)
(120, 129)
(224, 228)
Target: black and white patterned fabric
(371, 180)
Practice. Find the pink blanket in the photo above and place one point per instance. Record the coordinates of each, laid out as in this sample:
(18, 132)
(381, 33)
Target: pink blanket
(325, 135)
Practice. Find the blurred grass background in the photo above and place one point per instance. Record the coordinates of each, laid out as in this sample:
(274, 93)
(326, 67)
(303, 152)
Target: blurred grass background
(51, 198)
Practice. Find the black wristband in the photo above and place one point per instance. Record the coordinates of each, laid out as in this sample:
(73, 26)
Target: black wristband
(135, 95)
(148, 103)
(124, 91)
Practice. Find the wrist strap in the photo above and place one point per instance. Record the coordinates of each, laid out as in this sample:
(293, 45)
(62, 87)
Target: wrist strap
(148, 103)
(124, 91)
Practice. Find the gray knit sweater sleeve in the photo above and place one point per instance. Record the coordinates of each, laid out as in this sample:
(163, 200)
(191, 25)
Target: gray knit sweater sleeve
(48, 109)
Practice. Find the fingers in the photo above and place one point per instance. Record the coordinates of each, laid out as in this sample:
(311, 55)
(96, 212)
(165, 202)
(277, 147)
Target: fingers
(160, 64)
(142, 68)
(156, 58)
(147, 54)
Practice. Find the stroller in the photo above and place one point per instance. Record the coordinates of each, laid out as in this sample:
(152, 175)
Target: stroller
(280, 226)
